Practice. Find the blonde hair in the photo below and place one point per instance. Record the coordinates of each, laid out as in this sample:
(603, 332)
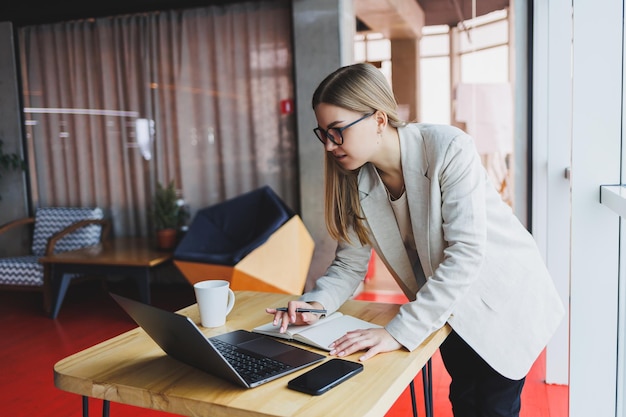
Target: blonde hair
(360, 88)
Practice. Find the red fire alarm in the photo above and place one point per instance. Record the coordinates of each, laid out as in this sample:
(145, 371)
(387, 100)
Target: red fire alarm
(286, 106)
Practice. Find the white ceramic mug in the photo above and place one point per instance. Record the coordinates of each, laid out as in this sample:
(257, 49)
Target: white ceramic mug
(215, 300)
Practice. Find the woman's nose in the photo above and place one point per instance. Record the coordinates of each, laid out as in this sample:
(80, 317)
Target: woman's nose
(329, 145)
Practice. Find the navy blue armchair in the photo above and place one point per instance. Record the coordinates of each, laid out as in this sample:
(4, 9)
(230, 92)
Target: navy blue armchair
(254, 240)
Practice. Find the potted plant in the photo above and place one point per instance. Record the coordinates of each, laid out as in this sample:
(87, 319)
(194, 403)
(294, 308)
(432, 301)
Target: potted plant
(9, 162)
(169, 215)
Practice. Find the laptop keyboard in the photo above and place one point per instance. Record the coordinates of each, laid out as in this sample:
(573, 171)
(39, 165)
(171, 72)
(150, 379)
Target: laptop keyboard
(251, 368)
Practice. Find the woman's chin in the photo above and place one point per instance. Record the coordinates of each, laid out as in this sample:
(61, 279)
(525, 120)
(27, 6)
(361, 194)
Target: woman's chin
(347, 163)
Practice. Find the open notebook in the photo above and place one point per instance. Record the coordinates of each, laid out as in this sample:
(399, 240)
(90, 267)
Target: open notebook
(320, 334)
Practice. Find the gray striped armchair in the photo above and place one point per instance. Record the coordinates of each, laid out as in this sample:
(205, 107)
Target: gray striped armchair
(55, 230)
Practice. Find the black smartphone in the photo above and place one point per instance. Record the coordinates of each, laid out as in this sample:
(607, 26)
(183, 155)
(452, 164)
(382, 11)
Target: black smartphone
(325, 376)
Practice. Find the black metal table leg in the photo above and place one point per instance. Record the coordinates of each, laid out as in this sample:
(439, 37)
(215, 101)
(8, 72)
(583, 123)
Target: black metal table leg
(413, 401)
(106, 407)
(427, 380)
(143, 284)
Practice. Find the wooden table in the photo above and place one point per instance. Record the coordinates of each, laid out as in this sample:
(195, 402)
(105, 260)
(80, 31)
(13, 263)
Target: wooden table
(136, 257)
(132, 369)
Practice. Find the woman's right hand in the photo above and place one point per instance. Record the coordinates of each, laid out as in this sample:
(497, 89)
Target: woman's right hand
(285, 318)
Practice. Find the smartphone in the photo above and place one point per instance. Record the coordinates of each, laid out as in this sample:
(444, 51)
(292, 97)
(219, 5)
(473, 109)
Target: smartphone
(325, 376)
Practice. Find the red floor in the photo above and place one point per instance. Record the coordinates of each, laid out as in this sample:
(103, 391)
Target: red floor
(32, 343)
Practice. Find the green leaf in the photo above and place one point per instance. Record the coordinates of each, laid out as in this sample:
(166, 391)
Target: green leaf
(10, 162)
(166, 210)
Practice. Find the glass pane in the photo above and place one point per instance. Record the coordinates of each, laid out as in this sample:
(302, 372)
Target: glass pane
(435, 90)
(488, 66)
(385, 68)
(359, 51)
(434, 45)
(378, 50)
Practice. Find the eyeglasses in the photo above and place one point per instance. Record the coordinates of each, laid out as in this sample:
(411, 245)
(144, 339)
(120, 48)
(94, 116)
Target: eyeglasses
(334, 134)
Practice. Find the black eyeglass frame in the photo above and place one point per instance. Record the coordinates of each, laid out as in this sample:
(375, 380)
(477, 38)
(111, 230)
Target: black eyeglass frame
(322, 133)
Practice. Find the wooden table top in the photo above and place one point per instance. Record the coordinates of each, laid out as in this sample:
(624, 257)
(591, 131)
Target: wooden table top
(121, 251)
(132, 369)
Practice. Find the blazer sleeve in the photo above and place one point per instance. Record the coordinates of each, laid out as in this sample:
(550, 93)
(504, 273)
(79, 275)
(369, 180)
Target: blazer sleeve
(457, 214)
(344, 275)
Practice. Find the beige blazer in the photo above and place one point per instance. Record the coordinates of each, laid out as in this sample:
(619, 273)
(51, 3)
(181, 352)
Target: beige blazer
(479, 269)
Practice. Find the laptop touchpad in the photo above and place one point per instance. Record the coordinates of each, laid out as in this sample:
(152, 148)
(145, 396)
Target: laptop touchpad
(267, 347)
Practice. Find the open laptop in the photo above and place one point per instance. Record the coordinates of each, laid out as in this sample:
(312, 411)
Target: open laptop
(227, 356)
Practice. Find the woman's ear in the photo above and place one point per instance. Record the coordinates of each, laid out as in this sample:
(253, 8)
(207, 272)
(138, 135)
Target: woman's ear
(381, 120)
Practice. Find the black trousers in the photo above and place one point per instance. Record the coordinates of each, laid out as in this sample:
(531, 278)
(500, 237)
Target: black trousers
(477, 390)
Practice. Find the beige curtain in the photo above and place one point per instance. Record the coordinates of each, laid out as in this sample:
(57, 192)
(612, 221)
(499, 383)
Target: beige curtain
(115, 104)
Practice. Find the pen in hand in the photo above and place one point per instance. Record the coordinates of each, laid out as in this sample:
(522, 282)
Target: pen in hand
(304, 310)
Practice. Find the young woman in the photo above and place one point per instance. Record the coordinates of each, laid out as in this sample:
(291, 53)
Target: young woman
(418, 194)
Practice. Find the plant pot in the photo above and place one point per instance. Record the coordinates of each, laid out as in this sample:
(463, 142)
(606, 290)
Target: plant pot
(166, 239)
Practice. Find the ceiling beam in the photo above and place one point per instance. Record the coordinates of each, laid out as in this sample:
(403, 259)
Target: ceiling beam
(395, 19)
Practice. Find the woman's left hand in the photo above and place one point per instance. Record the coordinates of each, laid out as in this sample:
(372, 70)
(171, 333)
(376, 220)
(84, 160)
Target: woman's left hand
(375, 341)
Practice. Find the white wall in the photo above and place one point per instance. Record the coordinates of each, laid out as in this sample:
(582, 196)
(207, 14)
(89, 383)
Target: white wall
(595, 112)
(596, 138)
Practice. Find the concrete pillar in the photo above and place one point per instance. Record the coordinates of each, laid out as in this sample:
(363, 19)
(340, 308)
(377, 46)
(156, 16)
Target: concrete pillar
(405, 76)
(12, 184)
(324, 32)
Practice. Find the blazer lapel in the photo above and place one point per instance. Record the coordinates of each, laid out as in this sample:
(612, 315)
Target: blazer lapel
(417, 185)
(385, 234)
